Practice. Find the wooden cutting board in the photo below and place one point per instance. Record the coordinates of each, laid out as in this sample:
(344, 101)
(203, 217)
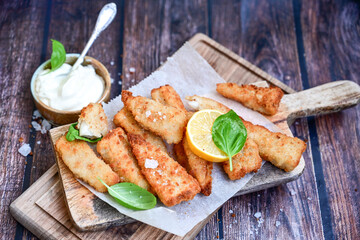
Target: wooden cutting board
(87, 212)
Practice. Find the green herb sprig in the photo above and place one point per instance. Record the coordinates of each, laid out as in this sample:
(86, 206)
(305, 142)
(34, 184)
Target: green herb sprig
(58, 55)
(131, 196)
(73, 134)
(229, 134)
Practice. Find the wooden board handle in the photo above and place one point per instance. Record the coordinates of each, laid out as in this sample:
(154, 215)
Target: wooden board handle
(326, 98)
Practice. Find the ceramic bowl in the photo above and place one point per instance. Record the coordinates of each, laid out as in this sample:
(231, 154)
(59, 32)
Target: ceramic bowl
(60, 117)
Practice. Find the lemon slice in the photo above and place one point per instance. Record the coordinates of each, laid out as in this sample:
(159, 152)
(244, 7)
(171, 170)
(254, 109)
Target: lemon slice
(199, 137)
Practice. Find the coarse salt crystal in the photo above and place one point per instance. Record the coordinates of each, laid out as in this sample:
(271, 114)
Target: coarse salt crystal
(231, 211)
(292, 192)
(257, 215)
(25, 149)
(154, 120)
(112, 63)
(36, 126)
(194, 105)
(111, 80)
(160, 113)
(38, 142)
(164, 116)
(150, 163)
(36, 114)
(127, 75)
(46, 126)
(277, 223)
(132, 69)
(147, 113)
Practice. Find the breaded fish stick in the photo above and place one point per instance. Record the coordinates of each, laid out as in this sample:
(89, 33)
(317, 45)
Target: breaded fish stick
(93, 121)
(199, 169)
(84, 164)
(279, 149)
(246, 161)
(116, 151)
(125, 119)
(167, 122)
(196, 166)
(167, 96)
(263, 100)
(169, 180)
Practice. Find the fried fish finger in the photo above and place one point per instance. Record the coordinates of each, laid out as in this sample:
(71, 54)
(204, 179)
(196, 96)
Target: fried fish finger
(125, 119)
(167, 96)
(93, 121)
(169, 180)
(196, 166)
(115, 149)
(246, 161)
(199, 169)
(84, 164)
(263, 100)
(281, 150)
(167, 122)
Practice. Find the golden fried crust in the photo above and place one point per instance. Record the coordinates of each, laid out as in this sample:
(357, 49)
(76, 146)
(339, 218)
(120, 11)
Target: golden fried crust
(247, 160)
(165, 121)
(199, 169)
(93, 116)
(169, 180)
(263, 100)
(84, 164)
(116, 151)
(207, 103)
(180, 155)
(279, 149)
(125, 119)
(167, 96)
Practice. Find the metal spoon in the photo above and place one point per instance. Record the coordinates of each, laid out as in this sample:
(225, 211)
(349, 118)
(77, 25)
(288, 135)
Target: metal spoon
(105, 17)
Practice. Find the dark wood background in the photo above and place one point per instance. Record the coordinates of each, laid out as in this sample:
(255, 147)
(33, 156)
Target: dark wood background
(302, 43)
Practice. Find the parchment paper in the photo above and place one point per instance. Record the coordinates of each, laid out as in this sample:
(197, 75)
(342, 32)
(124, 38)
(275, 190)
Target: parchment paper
(189, 74)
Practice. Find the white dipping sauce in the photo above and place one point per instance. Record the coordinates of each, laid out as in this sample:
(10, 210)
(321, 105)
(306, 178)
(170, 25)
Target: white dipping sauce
(62, 92)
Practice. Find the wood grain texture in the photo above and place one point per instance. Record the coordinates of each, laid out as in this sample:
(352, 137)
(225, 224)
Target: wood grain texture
(19, 20)
(332, 53)
(270, 43)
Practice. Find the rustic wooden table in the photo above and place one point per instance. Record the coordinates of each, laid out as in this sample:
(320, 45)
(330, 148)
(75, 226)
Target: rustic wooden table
(302, 43)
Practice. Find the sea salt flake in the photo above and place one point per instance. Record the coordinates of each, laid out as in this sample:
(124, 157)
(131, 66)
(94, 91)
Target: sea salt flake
(119, 82)
(127, 75)
(36, 114)
(309, 198)
(25, 149)
(38, 142)
(112, 63)
(132, 70)
(281, 210)
(46, 126)
(147, 113)
(36, 126)
(149, 163)
(231, 211)
(164, 116)
(160, 113)
(111, 80)
(154, 120)
(292, 192)
(257, 215)
(277, 223)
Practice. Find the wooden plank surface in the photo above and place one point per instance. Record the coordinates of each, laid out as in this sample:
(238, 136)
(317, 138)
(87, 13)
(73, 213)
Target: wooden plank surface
(331, 52)
(270, 43)
(325, 31)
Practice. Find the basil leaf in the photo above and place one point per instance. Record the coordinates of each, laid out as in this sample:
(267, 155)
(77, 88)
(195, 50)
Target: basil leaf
(73, 134)
(131, 196)
(58, 55)
(229, 134)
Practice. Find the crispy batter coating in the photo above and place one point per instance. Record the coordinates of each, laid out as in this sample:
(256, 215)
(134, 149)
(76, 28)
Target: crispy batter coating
(246, 161)
(165, 121)
(115, 149)
(125, 119)
(263, 100)
(169, 180)
(279, 149)
(84, 164)
(167, 96)
(198, 168)
(93, 121)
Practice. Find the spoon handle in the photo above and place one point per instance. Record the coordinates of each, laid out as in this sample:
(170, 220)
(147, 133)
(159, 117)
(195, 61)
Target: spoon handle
(106, 15)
